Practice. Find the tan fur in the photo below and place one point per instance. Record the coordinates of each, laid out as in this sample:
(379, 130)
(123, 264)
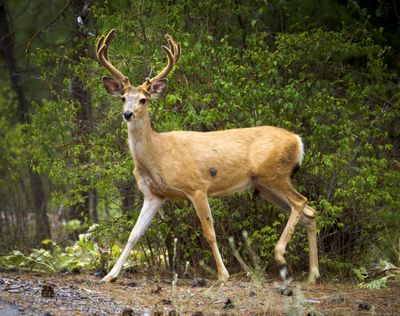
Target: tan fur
(182, 160)
(195, 165)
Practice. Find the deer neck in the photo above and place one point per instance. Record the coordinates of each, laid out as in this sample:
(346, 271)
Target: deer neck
(141, 139)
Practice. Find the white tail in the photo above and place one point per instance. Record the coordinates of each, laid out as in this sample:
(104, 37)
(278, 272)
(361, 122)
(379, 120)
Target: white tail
(195, 165)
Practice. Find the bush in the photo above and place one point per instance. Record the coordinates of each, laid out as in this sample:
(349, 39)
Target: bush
(332, 88)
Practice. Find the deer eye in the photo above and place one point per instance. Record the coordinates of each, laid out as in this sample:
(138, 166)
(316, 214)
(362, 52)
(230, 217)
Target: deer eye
(142, 100)
(123, 99)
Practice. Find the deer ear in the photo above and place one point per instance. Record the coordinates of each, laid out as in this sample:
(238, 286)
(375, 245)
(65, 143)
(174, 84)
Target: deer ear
(157, 88)
(113, 87)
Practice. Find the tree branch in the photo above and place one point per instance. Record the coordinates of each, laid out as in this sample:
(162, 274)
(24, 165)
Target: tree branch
(28, 46)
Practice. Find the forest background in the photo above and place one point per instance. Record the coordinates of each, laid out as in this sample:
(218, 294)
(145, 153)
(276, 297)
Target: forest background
(327, 70)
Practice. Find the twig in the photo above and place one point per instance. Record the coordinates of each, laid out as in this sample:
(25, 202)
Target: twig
(28, 46)
(60, 275)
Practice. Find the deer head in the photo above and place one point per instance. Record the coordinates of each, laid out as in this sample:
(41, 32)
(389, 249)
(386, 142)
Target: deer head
(135, 99)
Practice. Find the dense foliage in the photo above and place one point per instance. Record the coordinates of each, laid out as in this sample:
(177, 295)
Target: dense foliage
(325, 77)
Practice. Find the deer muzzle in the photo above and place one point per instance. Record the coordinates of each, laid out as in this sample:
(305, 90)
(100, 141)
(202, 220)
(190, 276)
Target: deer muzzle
(128, 115)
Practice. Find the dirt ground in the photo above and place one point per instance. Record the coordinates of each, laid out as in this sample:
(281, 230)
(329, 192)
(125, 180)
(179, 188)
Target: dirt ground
(146, 294)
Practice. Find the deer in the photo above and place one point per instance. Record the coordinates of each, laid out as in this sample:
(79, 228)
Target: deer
(197, 165)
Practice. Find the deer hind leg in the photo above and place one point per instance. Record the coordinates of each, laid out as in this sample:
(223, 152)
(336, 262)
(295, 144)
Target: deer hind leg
(308, 220)
(288, 199)
(203, 211)
(150, 207)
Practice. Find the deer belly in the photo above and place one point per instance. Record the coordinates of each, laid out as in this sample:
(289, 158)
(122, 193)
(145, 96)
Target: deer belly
(223, 188)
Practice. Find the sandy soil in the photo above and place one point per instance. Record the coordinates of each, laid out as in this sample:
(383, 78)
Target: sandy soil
(145, 294)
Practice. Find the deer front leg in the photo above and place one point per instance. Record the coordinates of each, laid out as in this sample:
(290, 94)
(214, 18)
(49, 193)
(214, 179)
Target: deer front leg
(150, 207)
(200, 203)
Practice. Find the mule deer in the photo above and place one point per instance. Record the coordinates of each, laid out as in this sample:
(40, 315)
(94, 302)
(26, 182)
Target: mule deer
(196, 165)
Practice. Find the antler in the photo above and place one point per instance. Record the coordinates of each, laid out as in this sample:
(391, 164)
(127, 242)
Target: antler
(102, 56)
(173, 52)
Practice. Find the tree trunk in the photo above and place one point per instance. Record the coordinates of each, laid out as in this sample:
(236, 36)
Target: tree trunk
(7, 50)
(127, 191)
(39, 204)
(40, 207)
(82, 97)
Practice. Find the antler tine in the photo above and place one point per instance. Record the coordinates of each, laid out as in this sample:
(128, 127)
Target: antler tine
(98, 45)
(173, 51)
(175, 47)
(170, 44)
(110, 36)
(102, 56)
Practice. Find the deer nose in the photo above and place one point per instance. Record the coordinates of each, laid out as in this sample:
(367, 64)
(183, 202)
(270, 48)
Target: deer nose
(128, 115)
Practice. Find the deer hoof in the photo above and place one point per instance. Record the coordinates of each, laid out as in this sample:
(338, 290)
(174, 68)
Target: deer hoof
(223, 277)
(284, 273)
(313, 279)
(108, 279)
